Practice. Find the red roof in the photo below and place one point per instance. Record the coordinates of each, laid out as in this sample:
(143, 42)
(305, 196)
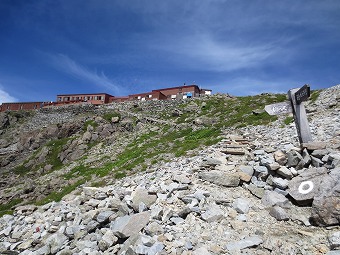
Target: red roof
(179, 87)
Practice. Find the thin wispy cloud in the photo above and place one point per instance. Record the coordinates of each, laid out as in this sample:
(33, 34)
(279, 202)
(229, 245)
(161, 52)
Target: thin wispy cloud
(207, 53)
(242, 86)
(67, 65)
(5, 97)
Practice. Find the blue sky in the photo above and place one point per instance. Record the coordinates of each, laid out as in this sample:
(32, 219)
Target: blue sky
(241, 47)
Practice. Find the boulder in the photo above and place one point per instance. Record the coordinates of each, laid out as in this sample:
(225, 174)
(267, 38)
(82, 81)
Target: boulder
(246, 169)
(103, 217)
(285, 172)
(280, 157)
(142, 196)
(304, 187)
(334, 240)
(314, 145)
(326, 204)
(222, 179)
(56, 242)
(241, 205)
(280, 183)
(247, 242)
(214, 213)
(279, 213)
(272, 198)
(129, 225)
(294, 158)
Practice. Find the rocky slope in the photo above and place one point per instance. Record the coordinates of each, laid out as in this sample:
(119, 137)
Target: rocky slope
(254, 192)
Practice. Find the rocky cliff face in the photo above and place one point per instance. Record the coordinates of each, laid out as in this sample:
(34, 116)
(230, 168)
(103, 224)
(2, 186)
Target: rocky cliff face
(255, 191)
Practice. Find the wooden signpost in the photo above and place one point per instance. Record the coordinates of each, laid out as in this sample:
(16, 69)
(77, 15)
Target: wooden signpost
(296, 106)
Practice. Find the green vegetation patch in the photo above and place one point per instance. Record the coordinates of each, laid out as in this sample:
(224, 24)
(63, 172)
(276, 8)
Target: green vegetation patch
(57, 196)
(314, 95)
(55, 148)
(7, 208)
(234, 112)
(288, 120)
(90, 123)
(108, 116)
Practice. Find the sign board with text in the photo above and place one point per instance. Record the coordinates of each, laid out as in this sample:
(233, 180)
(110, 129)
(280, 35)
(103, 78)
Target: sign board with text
(295, 105)
(302, 94)
(279, 108)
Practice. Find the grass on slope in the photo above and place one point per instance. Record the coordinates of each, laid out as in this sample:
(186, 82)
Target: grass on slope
(52, 158)
(149, 148)
(7, 208)
(233, 112)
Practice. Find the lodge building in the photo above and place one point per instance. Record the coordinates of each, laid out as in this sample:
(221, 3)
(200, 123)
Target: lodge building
(181, 92)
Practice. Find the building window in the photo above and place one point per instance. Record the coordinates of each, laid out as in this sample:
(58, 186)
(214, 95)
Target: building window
(59, 99)
(99, 98)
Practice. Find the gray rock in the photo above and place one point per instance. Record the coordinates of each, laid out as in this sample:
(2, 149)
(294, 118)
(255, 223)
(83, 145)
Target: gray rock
(334, 240)
(280, 157)
(261, 172)
(154, 229)
(281, 191)
(256, 191)
(316, 162)
(314, 145)
(266, 160)
(258, 152)
(325, 207)
(247, 242)
(319, 153)
(87, 137)
(127, 225)
(201, 251)
(280, 183)
(182, 179)
(222, 179)
(241, 205)
(211, 161)
(92, 225)
(177, 220)
(109, 238)
(103, 217)
(246, 169)
(272, 198)
(285, 172)
(142, 196)
(304, 187)
(274, 166)
(56, 242)
(334, 160)
(333, 252)
(293, 158)
(279, 213)
(214, 213)
(155, 249)
(258, 183)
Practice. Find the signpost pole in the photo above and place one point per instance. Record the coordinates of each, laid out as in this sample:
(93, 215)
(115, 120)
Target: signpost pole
(300, 118)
